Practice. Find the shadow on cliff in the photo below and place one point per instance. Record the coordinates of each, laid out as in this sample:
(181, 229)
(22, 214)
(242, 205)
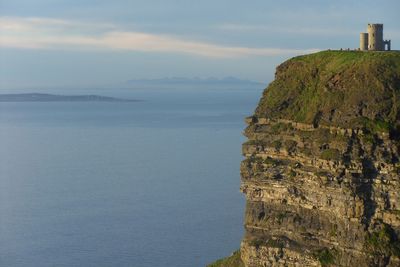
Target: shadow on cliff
(363, 184)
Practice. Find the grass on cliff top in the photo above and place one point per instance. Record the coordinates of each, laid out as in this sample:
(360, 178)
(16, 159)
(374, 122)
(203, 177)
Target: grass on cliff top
(336, 88)
(232, 261)
(338, 59)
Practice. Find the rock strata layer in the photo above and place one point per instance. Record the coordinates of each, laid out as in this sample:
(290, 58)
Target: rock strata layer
(322, 163)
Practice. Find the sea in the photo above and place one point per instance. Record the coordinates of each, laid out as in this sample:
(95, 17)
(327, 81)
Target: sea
(153, 183)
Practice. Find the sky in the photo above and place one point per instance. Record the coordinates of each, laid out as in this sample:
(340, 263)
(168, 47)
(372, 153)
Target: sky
(88, 43)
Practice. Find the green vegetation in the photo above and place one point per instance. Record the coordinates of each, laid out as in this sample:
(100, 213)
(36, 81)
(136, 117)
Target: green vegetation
(324, 136)
(295, 164)
(232, 261)
(322, 173)
(253, 143)
(277, 145)
(325, 256)
(258, 242)
(290, 145)
(335, 87)
(292, 173)
(280, 127)
(281, 216)
(274, 243)
(383, 242)
(321, 136)
(273, 162)
(396, 212)
(330, 154)
(371, 126)
(255, 159)
(333, 231)
(307, 151)
(368, 138)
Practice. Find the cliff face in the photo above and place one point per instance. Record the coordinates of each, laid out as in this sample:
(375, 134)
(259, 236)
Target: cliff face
(321, 172)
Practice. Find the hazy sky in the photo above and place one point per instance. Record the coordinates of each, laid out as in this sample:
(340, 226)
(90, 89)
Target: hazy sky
(91, 43)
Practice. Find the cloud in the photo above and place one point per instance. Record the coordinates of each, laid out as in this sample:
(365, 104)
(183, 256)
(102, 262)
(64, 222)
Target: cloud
(47, 33)
(318, 31)
(48, 24)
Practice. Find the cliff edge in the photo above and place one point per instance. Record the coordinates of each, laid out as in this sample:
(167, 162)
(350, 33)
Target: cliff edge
(321, 172)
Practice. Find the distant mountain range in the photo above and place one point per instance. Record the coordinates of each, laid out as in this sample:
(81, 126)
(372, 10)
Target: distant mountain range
(194, 82)
(37, 97)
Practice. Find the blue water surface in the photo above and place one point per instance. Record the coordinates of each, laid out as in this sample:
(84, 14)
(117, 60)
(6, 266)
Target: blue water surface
(147, 184)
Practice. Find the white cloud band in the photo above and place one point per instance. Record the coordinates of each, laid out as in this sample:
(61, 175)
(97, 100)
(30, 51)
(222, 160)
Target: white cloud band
(45, 33)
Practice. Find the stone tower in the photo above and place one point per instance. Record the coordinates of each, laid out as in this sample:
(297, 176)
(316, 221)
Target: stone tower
(363, 41)
(373, 39)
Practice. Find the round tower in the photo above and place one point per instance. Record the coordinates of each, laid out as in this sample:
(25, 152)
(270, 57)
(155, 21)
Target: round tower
(375, 37)
(363, 41)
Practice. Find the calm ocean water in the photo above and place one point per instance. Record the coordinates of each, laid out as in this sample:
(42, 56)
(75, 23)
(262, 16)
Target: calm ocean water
(152, 183)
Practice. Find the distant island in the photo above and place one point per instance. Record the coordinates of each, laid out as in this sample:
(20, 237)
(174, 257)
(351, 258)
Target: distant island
(38, 97)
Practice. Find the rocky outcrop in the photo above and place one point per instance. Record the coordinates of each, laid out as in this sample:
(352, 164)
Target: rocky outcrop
(321, 172)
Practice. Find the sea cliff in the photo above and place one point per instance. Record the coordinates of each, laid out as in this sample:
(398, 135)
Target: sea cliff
(321, 173)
